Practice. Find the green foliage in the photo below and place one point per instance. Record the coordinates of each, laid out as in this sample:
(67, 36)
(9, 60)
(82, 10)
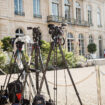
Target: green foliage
(2, 59)
(45, 47)
(92, 48)
(6, 44)
(71, 59)
(1, 44)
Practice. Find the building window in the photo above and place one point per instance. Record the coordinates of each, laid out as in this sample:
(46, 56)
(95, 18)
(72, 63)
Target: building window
(98, 17)
(100, 46)
(36, 8)
(55, 7)
(78, 12)
(90, 39)
(67, 9)
(19, 32)
(19, 7)
(81, 44)
(89, 15)
(70, 42)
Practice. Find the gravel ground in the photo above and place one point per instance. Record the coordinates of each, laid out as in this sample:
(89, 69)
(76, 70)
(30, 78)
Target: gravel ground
(85, 79)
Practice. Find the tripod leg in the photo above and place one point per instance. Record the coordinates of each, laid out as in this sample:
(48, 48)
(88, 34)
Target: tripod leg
(44, 72)
(42, 66)
(32, 83)
(7, 74)
(63, 57)
(11, 67)
(26, 70)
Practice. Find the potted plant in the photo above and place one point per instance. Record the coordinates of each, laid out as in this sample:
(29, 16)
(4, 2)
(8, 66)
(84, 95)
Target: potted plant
(92, 49)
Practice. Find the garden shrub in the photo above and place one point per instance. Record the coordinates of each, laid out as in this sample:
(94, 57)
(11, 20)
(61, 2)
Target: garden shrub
(71, 59)
(92, 48)
(6, 44)
(2, 57)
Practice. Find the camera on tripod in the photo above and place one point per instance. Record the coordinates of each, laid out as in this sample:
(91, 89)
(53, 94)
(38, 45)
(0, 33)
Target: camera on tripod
(19, 44)
(12, 41)
(56, 31)
(36, 34)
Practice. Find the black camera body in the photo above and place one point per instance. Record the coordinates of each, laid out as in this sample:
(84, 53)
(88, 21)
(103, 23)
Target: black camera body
(50, 102)
(39, 100)
(19, 44)
(36, 34)
(55, 31)
(3, 97)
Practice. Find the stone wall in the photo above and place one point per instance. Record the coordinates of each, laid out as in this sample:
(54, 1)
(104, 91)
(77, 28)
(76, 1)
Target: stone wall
(9, 22)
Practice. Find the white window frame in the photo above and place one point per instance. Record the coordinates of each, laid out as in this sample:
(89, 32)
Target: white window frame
(67, 4)
(89, 14)
(20, 33)
(56, 2)
(18, 9)
(98, 17)
(81, 44)
(78, 8)
(70, 42)
(91, 40)
(36, 9)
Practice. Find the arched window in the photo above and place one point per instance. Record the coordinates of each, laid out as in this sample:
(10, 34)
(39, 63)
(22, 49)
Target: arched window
(89, 14)
(67, 9)
(55, 7)
(19, 32)
(78, 11)
(36, 7)
(18, 7)
(81, 44)
(70, 42)
(90, 39)
(98, 17)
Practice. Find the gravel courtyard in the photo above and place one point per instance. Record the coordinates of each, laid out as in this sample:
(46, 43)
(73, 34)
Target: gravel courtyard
(85, 79)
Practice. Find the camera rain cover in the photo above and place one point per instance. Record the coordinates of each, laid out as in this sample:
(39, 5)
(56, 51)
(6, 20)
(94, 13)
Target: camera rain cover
(14, 91)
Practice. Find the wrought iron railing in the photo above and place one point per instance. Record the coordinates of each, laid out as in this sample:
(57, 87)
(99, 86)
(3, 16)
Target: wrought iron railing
(71, 21)
(37, 16)
(53, 18)
(19, 13)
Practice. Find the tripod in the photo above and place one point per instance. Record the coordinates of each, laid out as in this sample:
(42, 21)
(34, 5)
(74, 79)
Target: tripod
(38, 60)
(56, 33)
(19, 52)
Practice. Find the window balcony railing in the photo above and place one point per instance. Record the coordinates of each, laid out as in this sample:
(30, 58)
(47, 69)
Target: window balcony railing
(37, 16)
(71, 21)
(19, 13)
(53, 18)
(79, 22)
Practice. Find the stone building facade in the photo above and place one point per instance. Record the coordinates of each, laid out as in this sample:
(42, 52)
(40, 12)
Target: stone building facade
(85, 18)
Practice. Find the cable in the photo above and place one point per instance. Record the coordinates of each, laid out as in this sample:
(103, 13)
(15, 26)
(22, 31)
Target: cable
(65, 86)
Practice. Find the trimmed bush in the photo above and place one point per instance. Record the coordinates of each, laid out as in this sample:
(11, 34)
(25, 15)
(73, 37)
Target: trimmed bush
(92, 48)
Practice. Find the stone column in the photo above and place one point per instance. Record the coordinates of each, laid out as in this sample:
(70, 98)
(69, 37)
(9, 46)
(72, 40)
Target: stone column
(86, 42)
(74, 9)
(76, 43)
(50, 7)
(63, 9)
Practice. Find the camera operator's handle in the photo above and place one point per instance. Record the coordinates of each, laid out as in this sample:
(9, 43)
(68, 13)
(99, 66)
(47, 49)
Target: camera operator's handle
(29, 28)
